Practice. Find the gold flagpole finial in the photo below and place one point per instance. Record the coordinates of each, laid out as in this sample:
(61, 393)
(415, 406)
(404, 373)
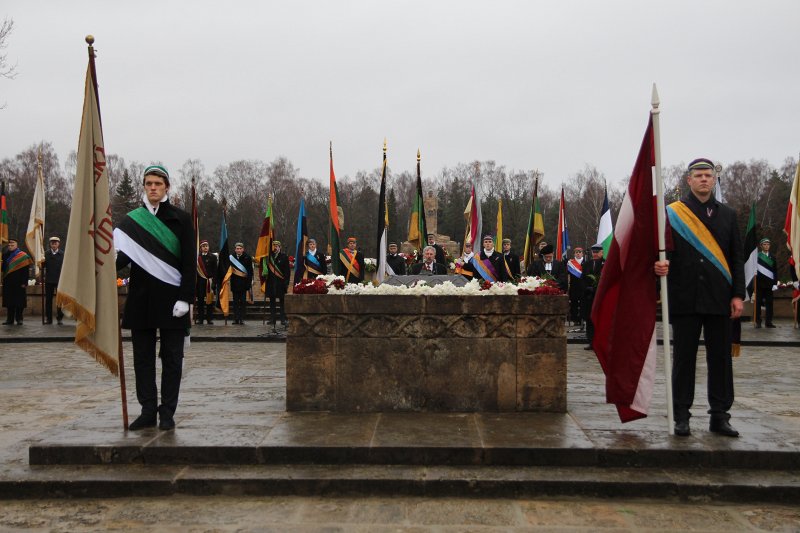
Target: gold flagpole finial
(90, 40)
(384, 145)
(417, 155)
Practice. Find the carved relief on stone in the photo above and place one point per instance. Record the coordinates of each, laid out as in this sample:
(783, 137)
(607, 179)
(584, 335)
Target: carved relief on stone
(407, 326)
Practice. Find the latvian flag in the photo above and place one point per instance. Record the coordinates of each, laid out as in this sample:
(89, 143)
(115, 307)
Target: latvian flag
(150, 244)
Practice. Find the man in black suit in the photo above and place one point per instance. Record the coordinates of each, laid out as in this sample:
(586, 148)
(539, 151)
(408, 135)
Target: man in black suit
(766, 279)
(429, 266)
(396, 261)
(575, 283)
(157, 241)
(53, 259)
(440, 255)
(591, 277)
(241, 281)
(204, 288)
(704, 294)
(547, 267)
(276, 280)
(352, 262)
(510, 262)
(488, 264)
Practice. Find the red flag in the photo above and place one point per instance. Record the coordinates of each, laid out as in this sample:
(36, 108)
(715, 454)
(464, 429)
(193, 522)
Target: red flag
(624, 310)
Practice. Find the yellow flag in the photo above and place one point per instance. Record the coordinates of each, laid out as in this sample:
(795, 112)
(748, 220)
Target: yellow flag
(88, 286)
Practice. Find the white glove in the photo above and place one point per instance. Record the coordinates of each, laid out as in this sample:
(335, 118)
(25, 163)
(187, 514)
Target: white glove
(796, 284)
(180, 309)
(774, 287)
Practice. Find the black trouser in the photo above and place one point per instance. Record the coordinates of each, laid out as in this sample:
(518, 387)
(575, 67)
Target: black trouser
(575, 309)
(50, 291)
(14, 313)
(204, 311)
(272, 311)
(144, 364)
(764, 295)
(239, 300)
(686, 337)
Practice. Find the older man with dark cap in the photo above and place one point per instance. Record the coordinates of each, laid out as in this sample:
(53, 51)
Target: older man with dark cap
(53, 260)
(396, 261)
(15, 282)
(546, 266)
(157, 241)
(706, 289)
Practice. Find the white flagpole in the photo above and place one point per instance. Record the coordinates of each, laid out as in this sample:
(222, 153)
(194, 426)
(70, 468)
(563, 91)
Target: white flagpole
(662, 255)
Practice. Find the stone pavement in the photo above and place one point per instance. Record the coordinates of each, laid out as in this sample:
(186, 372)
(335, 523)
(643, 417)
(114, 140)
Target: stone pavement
(233, 393)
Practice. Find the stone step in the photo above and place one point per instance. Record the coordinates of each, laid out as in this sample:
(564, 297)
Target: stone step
(744, 485)
(163, 450)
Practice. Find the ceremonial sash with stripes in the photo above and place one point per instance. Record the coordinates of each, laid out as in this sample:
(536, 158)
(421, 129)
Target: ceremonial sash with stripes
(508, 268)
(17, 260)
(273, 268)
(349, 260)
(765, 265)
(575, 267)
(693, 231)
(484, 268)
(149, 243)
(314, 267)
(238, 268)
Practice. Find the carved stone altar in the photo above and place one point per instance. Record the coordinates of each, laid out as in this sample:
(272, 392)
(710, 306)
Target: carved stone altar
(351, 353)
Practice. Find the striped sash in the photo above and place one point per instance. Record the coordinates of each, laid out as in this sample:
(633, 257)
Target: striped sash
(149, 243)
(693, 231)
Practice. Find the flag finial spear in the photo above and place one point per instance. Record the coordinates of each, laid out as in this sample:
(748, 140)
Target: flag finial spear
(417, 154)
(90, 42)
(384, 145)
(654, 101)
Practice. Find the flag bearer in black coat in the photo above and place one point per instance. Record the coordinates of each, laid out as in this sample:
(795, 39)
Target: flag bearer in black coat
(53, 260)
(706, 289)
(591, 277)
(510, 262)
(241, 281)
(396, 261)
(352, 262)
(157, 241)
(206, 270)
(275, 276)
(766, 279)
(575, 282)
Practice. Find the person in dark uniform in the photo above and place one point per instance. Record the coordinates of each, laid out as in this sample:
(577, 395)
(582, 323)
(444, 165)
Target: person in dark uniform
(15, 282)
(766, 279)
(510, 262)
(546, 266)
(488, 264)
(591, 277)
(440, 255)
(157, 241)
(275, 276)
(429, 266)
(241, 281)
(206, 270)
(53, 260)
(314, 263)
(706, 289)
(575, 284)
(396, 261)
(352, 262)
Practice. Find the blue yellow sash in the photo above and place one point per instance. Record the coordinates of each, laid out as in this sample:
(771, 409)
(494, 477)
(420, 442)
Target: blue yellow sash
(697, 234)
(315, 267)
(486, 271)
(238, 268)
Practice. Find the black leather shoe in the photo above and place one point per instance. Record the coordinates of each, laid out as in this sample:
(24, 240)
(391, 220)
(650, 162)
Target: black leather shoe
(588, 348)
(144, 421)
(7, 323)
(722, 427)
(166, 423)
(47, 322)
(771, 325)
(758, 325)
(682, 428)
(210, 322)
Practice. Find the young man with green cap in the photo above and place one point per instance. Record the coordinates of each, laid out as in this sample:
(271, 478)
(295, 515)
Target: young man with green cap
(766, 280)
(157, 241)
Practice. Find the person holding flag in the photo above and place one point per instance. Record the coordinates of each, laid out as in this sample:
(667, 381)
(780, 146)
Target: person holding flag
(15, 282)
(510, 262)
(766, 282)
(352, 262)
(275, 280)
(53, 260)
(705, 269)
(206, 270)
(157, 241)
(314, 264)
(241, 280)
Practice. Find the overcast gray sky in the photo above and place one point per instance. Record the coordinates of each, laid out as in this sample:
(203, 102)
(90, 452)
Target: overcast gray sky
(548, 85)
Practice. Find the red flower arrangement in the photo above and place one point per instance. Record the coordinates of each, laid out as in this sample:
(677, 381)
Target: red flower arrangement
(291, 261)
(486, 285)
(549, 287)
(310, 286)
(338, 284)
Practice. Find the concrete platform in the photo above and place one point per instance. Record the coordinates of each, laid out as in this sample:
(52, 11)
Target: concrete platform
(62, 436)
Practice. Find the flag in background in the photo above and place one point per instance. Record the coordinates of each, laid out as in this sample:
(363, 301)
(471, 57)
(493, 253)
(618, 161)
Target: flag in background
(417, 227)
(3, 215)
(535, 231)
(224, 268)
(605, 231)
(336, 223)
(624, 310)
(264, 244)
(34, 236)
(562, 239)
(751, 251)
(498, 236)
(383, 224)
(301, 242)
(472, 214)
(792, 225)
(87, 289)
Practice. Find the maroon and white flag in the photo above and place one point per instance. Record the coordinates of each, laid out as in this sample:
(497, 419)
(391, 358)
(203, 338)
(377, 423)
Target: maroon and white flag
(624, 309)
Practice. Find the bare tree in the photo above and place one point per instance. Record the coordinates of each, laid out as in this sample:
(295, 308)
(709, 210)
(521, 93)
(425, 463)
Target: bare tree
(6, 71)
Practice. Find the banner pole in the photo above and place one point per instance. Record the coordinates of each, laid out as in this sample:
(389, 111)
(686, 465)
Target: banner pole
(662, 256)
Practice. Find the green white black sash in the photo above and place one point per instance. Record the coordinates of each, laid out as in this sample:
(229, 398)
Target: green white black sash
(149, 243)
